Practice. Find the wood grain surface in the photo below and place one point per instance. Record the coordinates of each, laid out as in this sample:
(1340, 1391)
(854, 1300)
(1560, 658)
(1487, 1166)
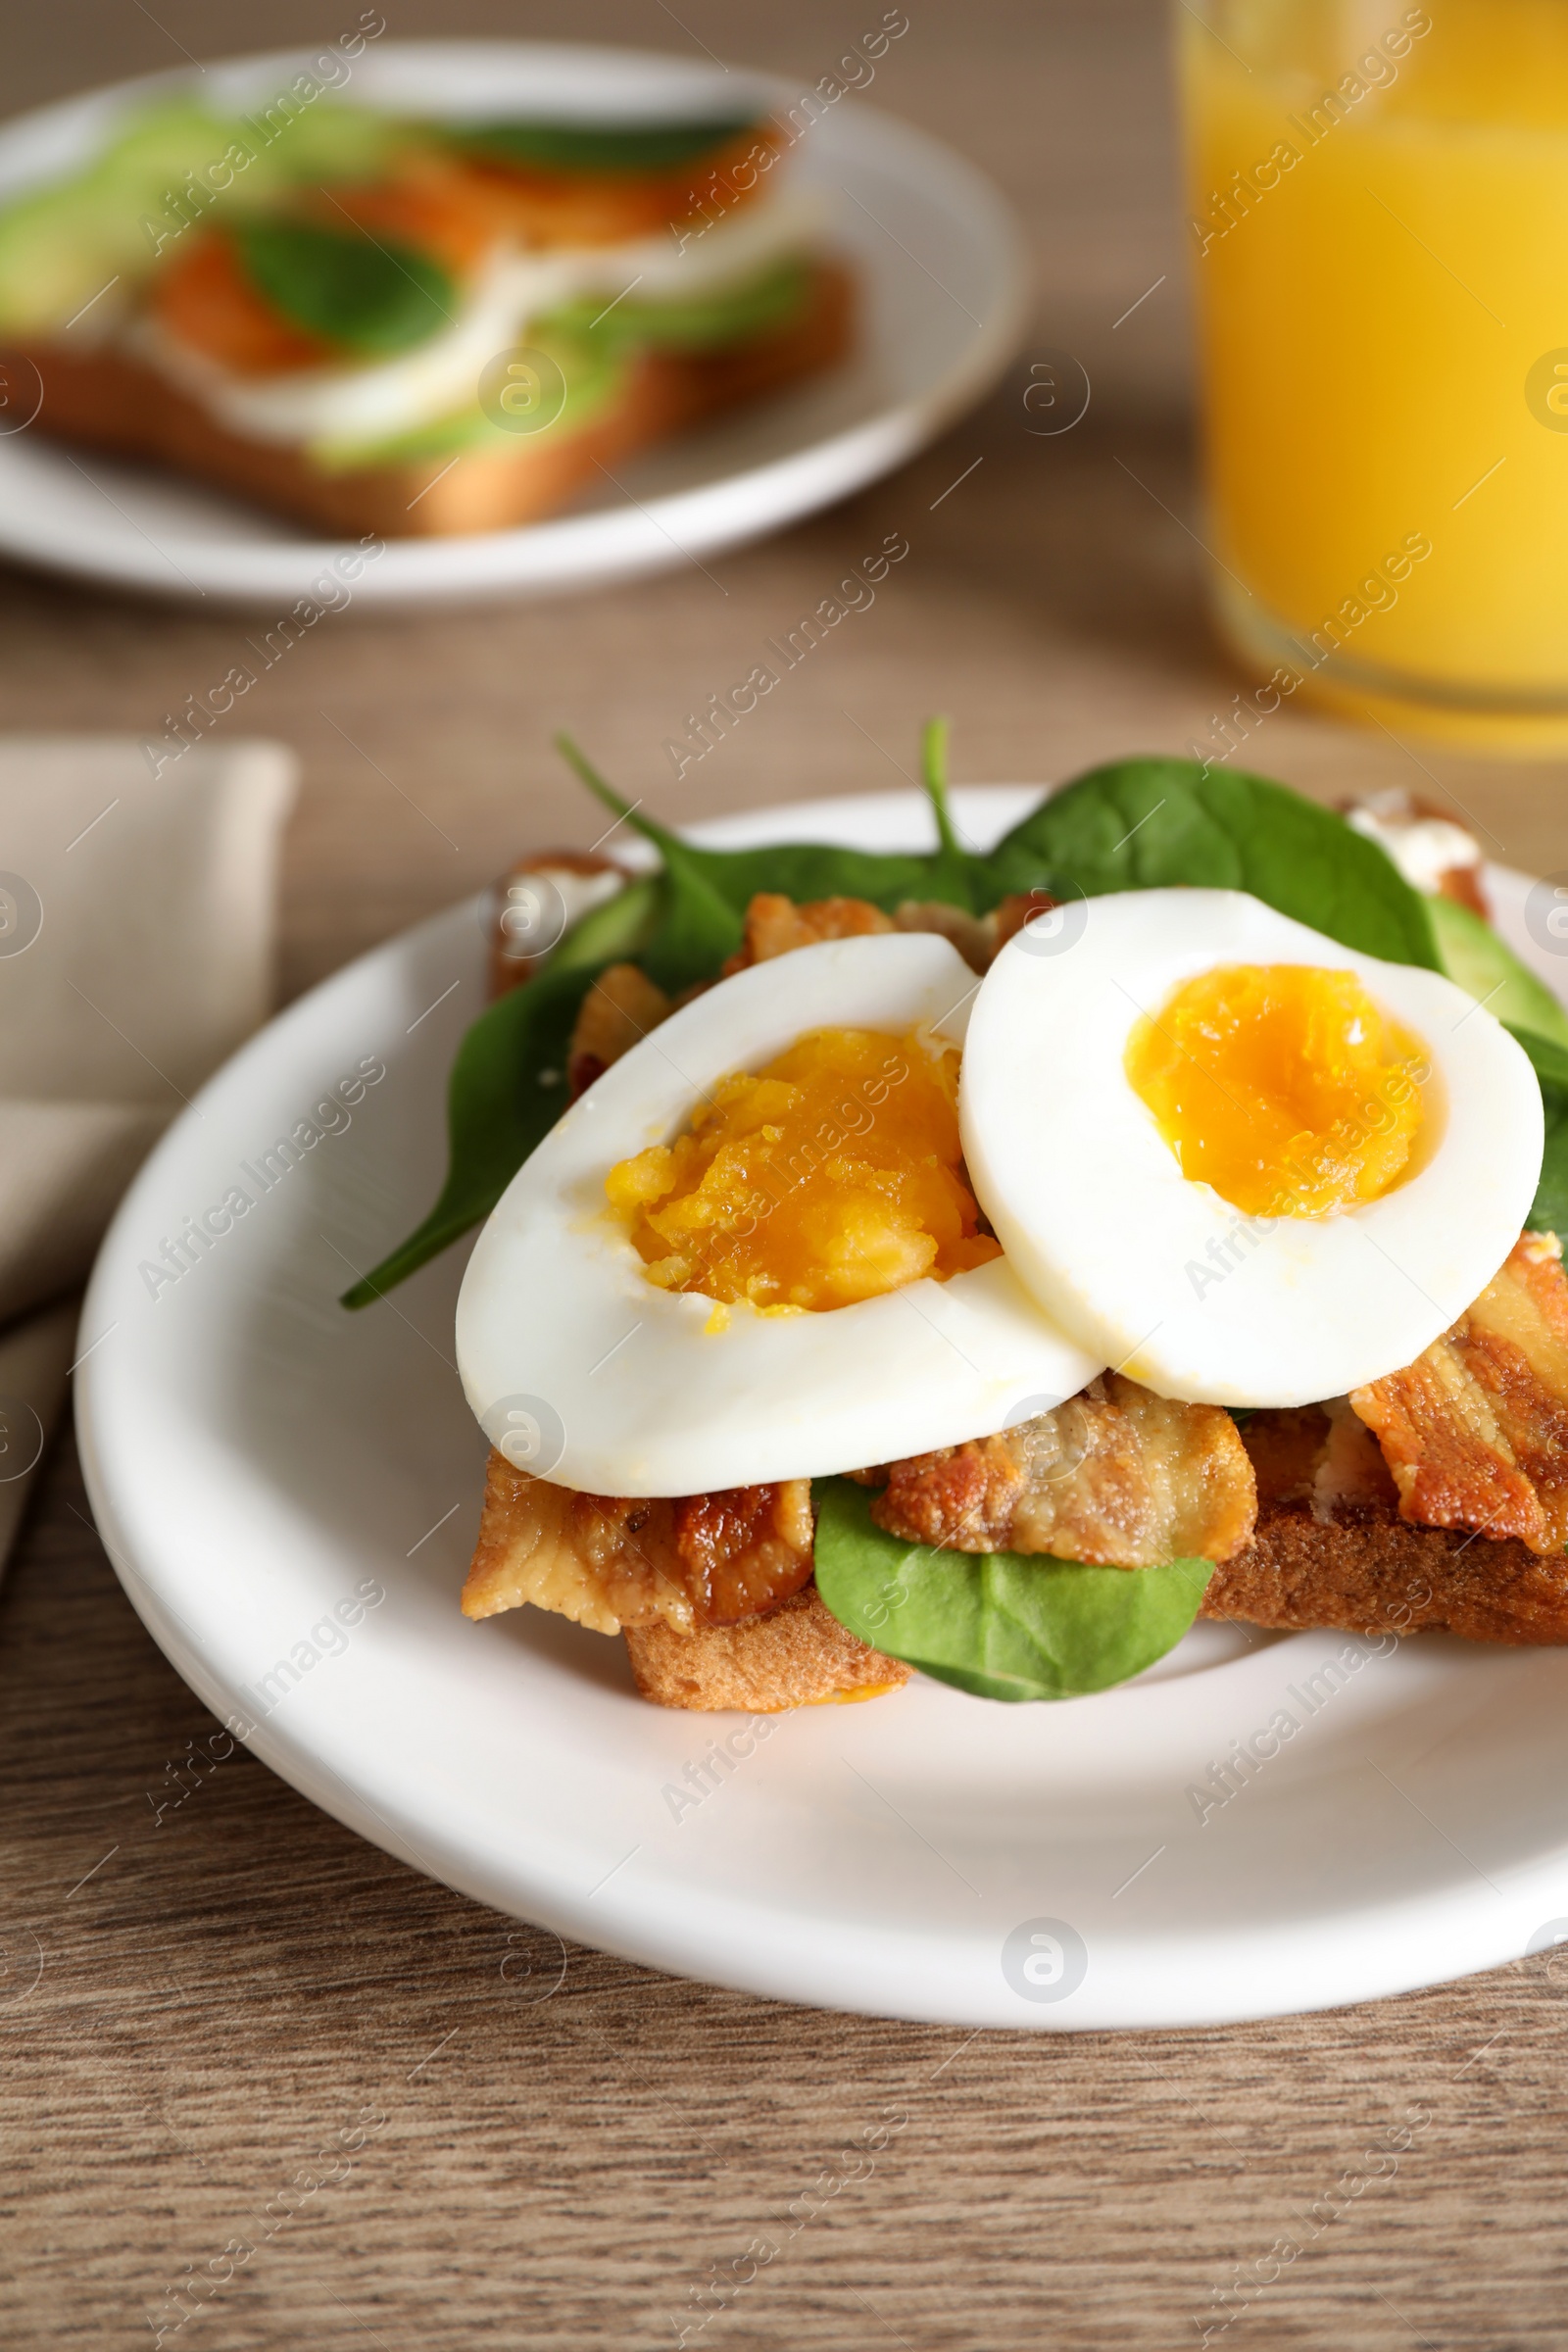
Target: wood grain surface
(237, 2038)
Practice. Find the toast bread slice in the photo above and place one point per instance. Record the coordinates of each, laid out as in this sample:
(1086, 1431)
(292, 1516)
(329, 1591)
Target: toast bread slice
(107, 398)
(1331, 1549)
(796, 1656)
(1382, 1574)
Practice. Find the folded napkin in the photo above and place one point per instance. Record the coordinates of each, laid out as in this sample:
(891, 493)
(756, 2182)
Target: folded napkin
(137, 926)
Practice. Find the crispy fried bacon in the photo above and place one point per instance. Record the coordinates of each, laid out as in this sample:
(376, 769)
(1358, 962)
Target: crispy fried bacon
(777, 925)
(608, 1561)
(1331, 1549)
(623, 1003)
(1116, 1477)
(1475, 1430)
(615, 1014)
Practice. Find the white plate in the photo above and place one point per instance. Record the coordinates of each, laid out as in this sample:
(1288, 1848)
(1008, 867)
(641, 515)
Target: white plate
(256, 1456)
(939, 257)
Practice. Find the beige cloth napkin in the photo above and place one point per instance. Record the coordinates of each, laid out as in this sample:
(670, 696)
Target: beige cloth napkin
(137, 926)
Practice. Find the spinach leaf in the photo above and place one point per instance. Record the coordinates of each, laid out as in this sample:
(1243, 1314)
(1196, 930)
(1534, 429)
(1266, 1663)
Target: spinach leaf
(697, 927)
(999, 1625)
(805, 869)
(371, 298)
(1138, 824)
(1143, 824)
(508, 1084)
(1549, 1060)
(601, 148)
(680, 925)
(955, 874)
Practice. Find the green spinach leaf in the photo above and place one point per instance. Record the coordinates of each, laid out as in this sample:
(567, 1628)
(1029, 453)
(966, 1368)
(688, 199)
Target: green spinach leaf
(696, 926)
(1549, 1062)
(956, 874)
(1138, 824)
(999, 1625)
(1145, 824)
(507, 1085)
(604, 149)
(806, 870)
(369, 298)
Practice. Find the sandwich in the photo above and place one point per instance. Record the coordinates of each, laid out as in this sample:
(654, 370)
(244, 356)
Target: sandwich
(985, 1264)
(390, 327)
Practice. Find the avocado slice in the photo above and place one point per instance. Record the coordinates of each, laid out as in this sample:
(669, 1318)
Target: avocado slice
(1476, 958)
(65, 242)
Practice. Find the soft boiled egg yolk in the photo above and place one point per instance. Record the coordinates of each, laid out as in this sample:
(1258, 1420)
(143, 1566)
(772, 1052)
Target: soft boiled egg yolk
(1282, 1086)
(830, 1176)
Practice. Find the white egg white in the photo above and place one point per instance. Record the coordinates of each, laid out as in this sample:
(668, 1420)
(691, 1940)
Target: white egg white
(586, 1373)
(1153, 1270)
(360, 401)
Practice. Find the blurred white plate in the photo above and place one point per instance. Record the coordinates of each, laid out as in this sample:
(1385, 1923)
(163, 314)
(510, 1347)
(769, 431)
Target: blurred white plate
(257, 1458)
(937, 255)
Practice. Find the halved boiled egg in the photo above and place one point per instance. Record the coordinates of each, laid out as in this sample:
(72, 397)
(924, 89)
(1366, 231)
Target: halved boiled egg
(1243, 1164)
(749, 1251)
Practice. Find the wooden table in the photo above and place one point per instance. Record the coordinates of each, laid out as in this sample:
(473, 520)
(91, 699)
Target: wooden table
(526, 2161)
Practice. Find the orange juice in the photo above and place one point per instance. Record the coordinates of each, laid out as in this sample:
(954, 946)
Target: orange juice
(1379, 205)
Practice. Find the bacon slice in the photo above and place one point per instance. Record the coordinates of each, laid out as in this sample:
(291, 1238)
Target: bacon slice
(1116, 1477)
(608, 1561)
(623, 1003)
(615, 1014)
(1475, 1430)
(777, 925)
(1331, 1549)
(973, 935)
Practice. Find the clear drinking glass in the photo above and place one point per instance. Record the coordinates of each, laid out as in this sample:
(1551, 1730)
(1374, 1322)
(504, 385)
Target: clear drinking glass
(1379, 206)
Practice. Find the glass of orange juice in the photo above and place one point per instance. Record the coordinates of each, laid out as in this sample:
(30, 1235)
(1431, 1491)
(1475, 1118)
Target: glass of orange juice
(1379, 204)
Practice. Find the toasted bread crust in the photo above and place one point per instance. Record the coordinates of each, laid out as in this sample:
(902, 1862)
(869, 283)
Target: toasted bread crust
(1388, 1576)
(107, 400)
(797, 1656)
(1332, 1548)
